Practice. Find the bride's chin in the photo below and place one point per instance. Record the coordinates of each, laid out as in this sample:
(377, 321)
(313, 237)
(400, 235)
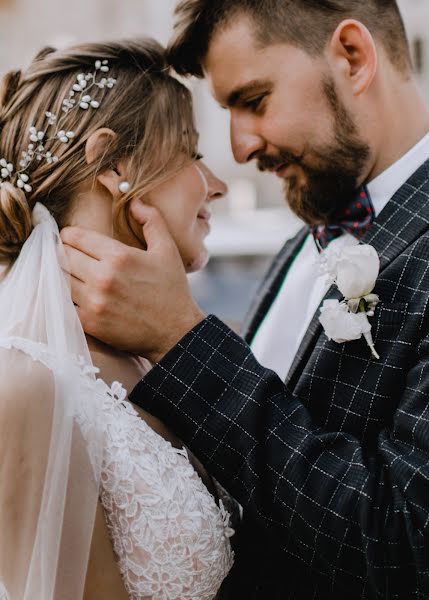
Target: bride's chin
(198, 262)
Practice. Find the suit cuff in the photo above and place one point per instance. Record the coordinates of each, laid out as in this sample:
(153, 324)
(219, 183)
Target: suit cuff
(184, 387)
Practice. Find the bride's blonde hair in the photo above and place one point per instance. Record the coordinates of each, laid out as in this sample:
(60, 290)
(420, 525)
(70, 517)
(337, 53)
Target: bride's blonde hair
(149, 110)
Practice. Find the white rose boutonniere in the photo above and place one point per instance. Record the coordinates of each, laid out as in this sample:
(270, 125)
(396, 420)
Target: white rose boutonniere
(354, 270)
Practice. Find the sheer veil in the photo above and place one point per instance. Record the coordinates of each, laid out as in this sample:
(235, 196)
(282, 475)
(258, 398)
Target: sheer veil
(51, 427)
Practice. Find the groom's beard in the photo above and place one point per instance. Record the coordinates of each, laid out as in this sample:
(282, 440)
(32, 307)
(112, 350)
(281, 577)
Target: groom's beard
(324, 190)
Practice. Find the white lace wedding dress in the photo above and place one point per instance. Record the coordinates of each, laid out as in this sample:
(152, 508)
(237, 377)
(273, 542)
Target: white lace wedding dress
(170, 537)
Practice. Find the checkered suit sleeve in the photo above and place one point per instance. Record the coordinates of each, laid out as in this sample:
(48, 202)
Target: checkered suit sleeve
(365, 514)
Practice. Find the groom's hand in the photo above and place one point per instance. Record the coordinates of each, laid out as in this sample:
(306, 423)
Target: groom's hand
(135, 300)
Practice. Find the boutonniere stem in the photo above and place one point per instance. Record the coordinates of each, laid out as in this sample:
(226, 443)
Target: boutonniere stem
(369, 312)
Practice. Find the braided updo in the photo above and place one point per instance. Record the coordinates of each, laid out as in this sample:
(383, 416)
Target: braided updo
(148, 109)
(15, 214)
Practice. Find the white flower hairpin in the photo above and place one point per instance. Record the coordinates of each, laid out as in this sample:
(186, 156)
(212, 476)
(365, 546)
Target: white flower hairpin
(82, 95)
(354, 270)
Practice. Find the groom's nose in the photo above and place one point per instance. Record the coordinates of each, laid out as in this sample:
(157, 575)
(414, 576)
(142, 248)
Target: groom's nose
(246, 143)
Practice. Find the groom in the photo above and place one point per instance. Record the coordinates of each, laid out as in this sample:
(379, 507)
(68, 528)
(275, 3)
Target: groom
(326, 448)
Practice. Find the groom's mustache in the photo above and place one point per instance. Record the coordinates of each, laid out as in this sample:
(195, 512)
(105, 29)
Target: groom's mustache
(271, 163)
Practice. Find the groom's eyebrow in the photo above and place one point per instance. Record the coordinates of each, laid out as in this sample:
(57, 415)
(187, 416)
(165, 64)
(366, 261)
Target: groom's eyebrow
(256, 85)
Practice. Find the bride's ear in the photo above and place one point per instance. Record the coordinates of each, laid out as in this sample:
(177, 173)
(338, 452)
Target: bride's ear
(96, 145)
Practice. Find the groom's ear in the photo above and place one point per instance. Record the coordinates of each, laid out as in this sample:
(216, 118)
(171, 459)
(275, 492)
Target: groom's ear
(354, 56)
(96, 146)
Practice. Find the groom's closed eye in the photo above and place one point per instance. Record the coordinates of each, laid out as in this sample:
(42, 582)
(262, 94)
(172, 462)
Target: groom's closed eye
(255, 103)
(252, 91)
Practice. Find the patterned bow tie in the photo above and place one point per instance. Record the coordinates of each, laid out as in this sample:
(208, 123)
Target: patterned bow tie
(355, 219)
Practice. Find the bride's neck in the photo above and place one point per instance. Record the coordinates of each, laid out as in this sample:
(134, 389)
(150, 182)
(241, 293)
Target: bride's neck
(92, 209)
(98, 347)
(115, 365)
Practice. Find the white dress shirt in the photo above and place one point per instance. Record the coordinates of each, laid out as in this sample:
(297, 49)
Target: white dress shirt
(281, 332)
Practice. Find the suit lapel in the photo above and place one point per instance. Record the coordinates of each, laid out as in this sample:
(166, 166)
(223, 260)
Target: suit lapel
(271, 285)
(404, 219)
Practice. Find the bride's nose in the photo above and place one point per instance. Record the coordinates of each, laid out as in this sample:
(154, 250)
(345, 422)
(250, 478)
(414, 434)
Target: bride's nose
(216, 187)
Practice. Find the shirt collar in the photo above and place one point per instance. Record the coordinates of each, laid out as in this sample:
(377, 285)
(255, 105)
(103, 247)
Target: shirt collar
(383, 187)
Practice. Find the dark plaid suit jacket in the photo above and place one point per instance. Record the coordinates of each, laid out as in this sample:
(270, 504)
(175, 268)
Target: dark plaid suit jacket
(332, 467)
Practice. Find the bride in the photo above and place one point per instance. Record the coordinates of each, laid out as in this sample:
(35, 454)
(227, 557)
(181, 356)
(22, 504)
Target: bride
(97, 499)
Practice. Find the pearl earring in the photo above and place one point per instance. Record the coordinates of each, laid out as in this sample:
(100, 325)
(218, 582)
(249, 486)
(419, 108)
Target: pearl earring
(124, 187)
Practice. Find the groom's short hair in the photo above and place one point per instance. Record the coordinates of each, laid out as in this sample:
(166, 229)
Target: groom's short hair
(308, 24)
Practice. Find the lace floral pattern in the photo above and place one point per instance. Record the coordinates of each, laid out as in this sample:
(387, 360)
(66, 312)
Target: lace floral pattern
(170, 538)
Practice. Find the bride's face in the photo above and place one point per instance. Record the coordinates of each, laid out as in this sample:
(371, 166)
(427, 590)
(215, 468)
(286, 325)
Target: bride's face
(185, 202)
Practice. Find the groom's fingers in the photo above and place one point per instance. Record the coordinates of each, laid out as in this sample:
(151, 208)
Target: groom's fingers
(88, 304)
(77, 291)
(87, 241)
(79, 264)
(155, 230)
(84, 319)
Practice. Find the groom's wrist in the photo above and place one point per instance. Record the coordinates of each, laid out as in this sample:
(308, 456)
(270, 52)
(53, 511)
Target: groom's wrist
(173, 337)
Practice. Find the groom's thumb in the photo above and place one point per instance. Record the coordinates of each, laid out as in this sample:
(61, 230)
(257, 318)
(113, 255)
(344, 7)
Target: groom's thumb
(155, 230)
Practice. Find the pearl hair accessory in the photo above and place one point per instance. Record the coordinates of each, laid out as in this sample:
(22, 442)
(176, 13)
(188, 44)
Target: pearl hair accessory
(78, 97)
(124, 187)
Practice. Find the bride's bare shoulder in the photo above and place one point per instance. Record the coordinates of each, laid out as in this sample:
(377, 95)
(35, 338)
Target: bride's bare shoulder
(26, 387)
(26, 411)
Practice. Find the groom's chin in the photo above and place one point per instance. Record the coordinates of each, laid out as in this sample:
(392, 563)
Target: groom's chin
(297, 198)
(318, 204)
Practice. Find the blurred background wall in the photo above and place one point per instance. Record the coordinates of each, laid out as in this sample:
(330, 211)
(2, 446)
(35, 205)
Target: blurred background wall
(252, 222)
